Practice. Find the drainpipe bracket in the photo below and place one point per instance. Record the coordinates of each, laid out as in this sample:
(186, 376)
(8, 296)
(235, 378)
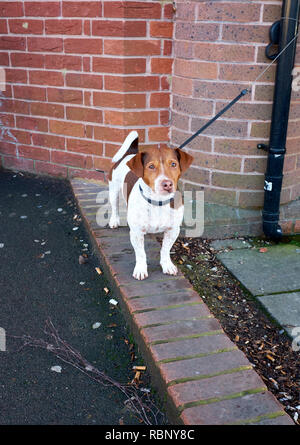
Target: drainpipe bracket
(263, 147)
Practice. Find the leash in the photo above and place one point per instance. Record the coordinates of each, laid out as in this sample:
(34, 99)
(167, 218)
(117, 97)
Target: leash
(240, 95)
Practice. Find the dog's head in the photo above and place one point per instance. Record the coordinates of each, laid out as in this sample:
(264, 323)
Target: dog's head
(160, 168)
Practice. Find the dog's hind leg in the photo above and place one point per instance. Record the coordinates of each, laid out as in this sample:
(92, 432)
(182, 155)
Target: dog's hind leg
(114, 221)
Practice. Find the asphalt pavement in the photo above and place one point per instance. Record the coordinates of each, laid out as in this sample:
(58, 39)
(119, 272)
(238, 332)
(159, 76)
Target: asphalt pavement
(41, 238)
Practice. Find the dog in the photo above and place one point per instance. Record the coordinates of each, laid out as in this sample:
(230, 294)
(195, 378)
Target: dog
(148, 179)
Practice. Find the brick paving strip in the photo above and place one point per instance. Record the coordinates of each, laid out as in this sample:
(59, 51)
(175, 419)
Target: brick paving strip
(203, 376)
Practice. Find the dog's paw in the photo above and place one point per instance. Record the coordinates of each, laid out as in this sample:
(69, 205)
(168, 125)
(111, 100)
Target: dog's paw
(140, 272)
(114, 222)
(169, 268)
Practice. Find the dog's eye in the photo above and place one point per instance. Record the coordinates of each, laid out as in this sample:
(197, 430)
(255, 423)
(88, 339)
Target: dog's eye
(152, 166)
(173, 164)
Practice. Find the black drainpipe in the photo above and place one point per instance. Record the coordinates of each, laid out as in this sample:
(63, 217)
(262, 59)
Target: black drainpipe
(282, 32)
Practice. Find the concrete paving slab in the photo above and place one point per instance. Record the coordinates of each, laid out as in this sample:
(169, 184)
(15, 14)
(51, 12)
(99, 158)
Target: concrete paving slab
(230, 244)
(285, 308)
(274, 271)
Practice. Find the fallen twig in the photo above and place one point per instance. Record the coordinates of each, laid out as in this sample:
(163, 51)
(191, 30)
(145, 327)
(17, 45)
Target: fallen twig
(140, 405)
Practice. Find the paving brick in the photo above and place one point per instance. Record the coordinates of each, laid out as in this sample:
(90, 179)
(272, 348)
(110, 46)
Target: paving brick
(205, 344)
(232, 411)
(215, 387)
(169, 315)
(179, 329)
(161, 301)
(162, 286)
(201, 367)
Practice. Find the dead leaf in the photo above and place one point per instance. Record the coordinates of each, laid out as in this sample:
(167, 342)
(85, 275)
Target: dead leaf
(82, 260)
(263, 250)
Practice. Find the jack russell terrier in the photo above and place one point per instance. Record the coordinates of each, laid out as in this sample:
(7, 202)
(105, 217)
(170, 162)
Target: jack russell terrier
(148, 180)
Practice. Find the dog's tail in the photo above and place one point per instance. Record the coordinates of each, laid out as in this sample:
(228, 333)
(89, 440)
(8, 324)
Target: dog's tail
(130, 144)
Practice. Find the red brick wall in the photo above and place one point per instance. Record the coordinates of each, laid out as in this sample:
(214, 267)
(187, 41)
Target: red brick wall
(80, 75)
(218, 50)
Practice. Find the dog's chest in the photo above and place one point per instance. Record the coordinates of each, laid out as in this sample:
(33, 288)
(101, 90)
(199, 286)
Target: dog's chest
(152, 218)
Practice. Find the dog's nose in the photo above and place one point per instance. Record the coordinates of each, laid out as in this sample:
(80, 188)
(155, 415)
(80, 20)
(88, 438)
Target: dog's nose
(167, 185)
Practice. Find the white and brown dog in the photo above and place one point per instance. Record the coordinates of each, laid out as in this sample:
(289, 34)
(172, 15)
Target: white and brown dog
(148, 180)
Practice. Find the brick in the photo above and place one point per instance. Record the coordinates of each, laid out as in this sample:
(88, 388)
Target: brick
(67, 27)
(14, 106)
(48, 140)
(23, 137)
(260, 130)
(184, 13)
(11, 9)
(247, 111)
(84, 146)
(132, 47)
(3, 27)
(195, 69)
(28, 60)
(42, 9)
(51, 169)
(255, 165)
(158, 134)
(161, 65)
(45, 44)
(32, 123)
(131, 83)
(194, 32)
(15, 76)
(131, 9)
(93, 81)
(63, 62)
(12, 43)
(195, 368)
(131, 118)
(64, 95)
(102, 164)
(22, 164)
(29, 151)
(181, 86)
(198, 107)
(114, 65)
(253, 199)
(238, 181)
(297, 226)
(169, 11)
(75, 160)
(67, 128)
(81, 9)
(246, 72)
(271, 13)
(229, 12)
(24, 26)
(234, 146)
(224, 53)
(215, 387)
(8, 149)
(183, 328)
(218, 90)
(29, 93)
(161, 29)
(52, 78)
(115, 28)
(222, 127)
(83, 46)
(172, 315)
(4, 60)
(168, 47)
(84, 114)
(45, 109)
(119, 100)
(231, 411)
(246, 33)
(114, 134)
(216, 162)
(160, 100)
(202, 143)
(8, 120)
(183, 50)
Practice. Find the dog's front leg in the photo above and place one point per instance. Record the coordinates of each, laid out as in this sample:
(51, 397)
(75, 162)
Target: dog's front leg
(137, 240)
(169, 239)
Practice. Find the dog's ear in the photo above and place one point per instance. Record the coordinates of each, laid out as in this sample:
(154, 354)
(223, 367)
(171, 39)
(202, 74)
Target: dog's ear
(136, 165)
(184, 159)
